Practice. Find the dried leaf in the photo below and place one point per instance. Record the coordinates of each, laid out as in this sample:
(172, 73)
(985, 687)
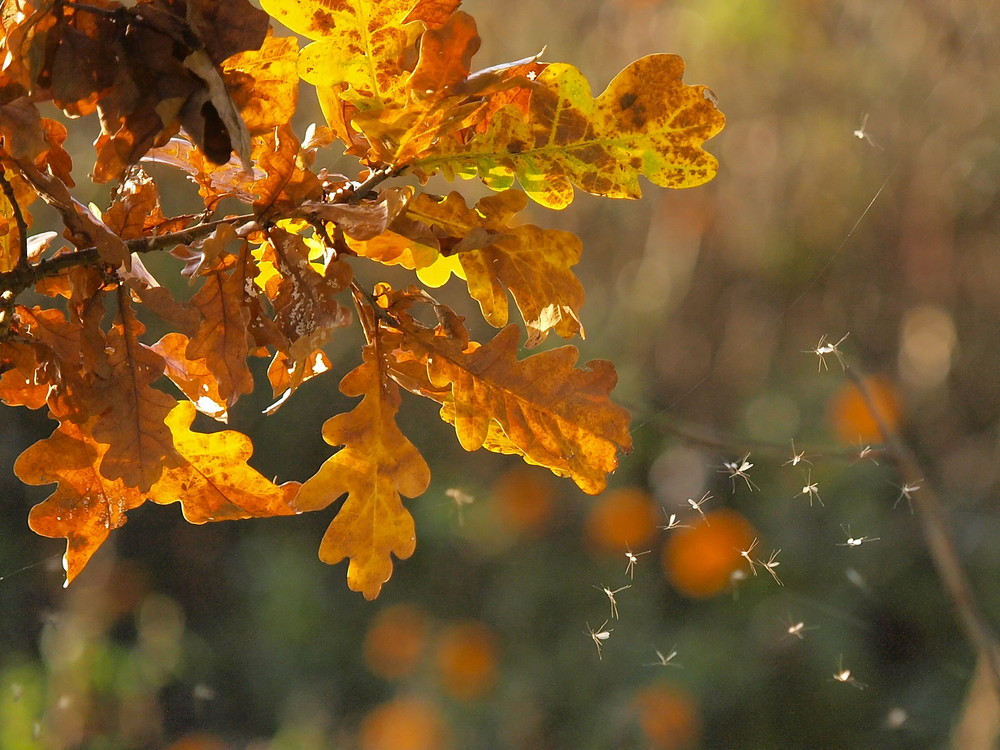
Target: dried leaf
(286, 373)
(86, 505)
(285, 183)
(376, 465)
(263, 83)
(192, 376)
(130, 412)
(647, 122)
(215, 182)
(136, 207)
(83, 228)
(214, 481)
(532, 263)
(222, 339)
(21, 130)
(557, 416)
(305, 304)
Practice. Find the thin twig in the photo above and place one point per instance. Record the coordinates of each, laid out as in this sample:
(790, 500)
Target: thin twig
(701, 435)
(938, 536)
(22, 225)
(19, 279)
(371, 182)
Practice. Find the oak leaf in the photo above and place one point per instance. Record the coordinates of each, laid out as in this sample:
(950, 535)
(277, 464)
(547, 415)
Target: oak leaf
(284, 183)
(192, 376)
(86, 505)
(222, 339)
(306, 311)
(130, 412)
(136, 207)
(530, 262)
(647, 122)
(376, 465)
(556, 415)
(215, 181)
(83, 228)
(212, 481)
(360, 48)
(263, 82)
(22, 379)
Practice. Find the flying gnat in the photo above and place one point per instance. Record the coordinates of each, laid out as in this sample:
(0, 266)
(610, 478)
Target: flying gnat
(739, 469)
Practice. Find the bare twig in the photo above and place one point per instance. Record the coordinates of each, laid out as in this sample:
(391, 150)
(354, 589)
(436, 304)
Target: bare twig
(22, 225)
(371, 182)
(938, 536)
(703, 436)
(19, 279)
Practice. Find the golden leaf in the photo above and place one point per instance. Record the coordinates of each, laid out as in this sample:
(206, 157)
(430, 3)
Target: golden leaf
(532, 263)
(554, 414)
(214, 481)
(222, 339)
(647, 122)
(360, 48)
(86, 505)
(376, 465)
(263, 82)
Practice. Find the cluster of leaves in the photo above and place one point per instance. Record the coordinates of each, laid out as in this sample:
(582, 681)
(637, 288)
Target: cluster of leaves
(208, 88)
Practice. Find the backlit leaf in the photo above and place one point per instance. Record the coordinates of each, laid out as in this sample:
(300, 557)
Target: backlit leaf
(22, 378)
(86, 505)
(532, 263)
(192, 376)
(130, 421)
(556, 415)
(136, 206)
(223, 339)
(360, 49)
(376, 465)
(647, 122)
(264, 83)
(213, 482)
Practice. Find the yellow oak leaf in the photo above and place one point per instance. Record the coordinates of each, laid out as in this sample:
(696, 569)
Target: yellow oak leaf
(647, 122)
(376, 465)
(532, 263)
(440, 271)
(359, 49)
(555, 415)
(214, 481)
(497, 442)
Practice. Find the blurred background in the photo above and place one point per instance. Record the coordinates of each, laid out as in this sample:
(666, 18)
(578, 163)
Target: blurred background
(858, 193)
